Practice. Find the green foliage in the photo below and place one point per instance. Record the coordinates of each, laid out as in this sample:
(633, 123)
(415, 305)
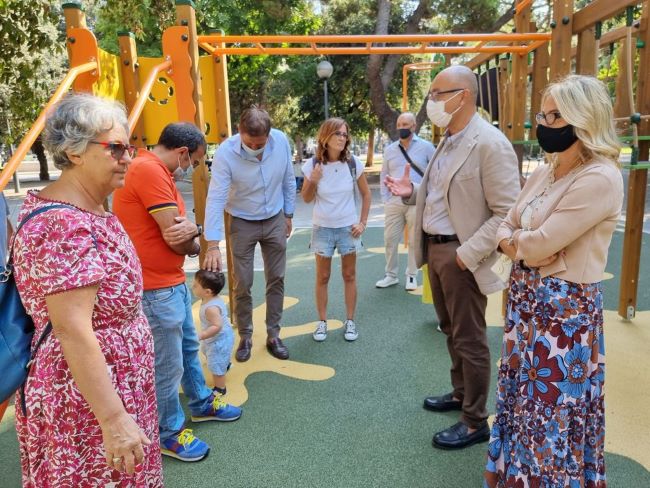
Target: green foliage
(460, 16)
(262, 80)
(32, 62)
(147, 19)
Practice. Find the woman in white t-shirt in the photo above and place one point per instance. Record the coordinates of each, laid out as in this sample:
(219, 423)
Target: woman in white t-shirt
(330, 181)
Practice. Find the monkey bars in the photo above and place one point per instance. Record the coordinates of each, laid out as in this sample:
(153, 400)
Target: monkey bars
(360, 45)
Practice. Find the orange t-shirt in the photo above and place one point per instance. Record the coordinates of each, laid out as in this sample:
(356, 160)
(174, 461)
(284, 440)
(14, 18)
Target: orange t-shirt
(150, 188)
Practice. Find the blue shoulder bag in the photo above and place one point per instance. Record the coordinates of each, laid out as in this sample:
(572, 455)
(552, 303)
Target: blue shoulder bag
(16, 326)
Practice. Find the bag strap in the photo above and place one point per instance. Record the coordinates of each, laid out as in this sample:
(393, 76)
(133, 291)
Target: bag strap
(408, 158)
(26, 219)
(48, 328)
(32, 355)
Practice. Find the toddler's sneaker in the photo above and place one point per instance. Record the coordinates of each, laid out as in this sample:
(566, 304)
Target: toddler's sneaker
(320, 334)
(218, 410)
(350, 333)
(185, 447)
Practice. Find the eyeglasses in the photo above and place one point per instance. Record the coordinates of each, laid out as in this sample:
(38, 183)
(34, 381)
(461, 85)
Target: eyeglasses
(118, 149)
(433, 95)
(341, 134)
(549, 118)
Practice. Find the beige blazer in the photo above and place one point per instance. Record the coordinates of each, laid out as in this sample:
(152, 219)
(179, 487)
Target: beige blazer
(578, 215)
(481, 186)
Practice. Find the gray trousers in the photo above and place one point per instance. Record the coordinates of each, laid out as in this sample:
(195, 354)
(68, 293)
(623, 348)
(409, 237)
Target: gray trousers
(460, 306)
(244, 235)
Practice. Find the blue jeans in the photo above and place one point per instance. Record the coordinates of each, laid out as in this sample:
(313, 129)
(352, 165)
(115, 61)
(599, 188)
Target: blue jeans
(176, 344)
(324, 240)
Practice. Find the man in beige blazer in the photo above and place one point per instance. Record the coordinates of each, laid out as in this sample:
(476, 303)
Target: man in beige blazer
(467, 190)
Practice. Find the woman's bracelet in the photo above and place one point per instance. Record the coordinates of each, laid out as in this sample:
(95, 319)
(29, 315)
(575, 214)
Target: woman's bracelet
(213, 247)
(364, 225)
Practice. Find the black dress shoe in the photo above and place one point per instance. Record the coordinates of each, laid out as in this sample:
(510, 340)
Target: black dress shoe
(244, 350)
(276, 348)
(442, 403)
(457, 436)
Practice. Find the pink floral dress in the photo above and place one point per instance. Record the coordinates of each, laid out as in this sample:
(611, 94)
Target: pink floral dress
(60, 439)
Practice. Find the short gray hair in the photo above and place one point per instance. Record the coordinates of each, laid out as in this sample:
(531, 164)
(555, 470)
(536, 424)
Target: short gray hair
(75, 121)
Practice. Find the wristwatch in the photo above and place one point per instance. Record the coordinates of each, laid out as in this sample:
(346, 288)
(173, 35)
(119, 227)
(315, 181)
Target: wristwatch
(288, 216)
(199, 231)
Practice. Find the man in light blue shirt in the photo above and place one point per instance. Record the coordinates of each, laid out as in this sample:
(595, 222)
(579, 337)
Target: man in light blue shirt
(397, 214)
(253, 181)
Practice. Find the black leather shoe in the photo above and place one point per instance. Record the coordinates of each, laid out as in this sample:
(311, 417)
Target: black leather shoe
(457, 436)
(442, 403)
(277, 349)
(244, 350)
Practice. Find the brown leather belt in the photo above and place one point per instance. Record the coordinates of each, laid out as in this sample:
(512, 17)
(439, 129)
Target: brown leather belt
(441, 238)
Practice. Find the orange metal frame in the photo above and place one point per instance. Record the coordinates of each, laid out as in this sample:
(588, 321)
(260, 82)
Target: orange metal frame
(413, 67)
(262, 45)
(36, 129)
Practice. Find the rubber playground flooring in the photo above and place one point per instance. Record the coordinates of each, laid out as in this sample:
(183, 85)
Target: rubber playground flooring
(347, 415)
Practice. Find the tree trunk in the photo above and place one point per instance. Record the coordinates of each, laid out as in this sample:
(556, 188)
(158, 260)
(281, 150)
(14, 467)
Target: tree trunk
(299, 149)
(370, 158)
(39, 151)
(381, 69)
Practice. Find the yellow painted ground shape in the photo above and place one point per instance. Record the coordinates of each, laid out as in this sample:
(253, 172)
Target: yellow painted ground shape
(627, 383)
(261, 360)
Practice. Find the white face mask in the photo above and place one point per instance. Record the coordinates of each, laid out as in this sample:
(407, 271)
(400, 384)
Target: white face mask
(436, 112)
(252, 152)
(179, 173)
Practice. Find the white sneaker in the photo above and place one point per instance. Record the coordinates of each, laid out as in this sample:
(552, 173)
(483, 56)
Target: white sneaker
(387, 281)
(351, 333)
(411, 283)
(320, 334)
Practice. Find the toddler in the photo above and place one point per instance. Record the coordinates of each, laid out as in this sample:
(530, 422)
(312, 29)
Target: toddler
(216, 335)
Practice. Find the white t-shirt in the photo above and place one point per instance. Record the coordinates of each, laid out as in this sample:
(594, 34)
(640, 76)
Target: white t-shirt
(334, 204)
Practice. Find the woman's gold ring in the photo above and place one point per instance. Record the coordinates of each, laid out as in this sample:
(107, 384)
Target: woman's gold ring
(117, 460)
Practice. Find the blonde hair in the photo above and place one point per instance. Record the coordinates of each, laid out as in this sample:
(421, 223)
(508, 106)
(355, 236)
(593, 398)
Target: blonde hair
(583, 102)
(329, 127)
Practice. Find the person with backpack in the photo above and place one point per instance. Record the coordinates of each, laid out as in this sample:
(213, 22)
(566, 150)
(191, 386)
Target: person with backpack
(86, 416)
(331, 179)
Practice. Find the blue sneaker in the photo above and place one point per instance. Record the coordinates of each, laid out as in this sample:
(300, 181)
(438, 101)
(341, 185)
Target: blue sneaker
(185, 447)
(218, 410)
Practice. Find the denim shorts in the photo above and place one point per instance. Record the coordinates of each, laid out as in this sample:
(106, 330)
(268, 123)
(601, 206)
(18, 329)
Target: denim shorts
(324, 240)
(218, 351)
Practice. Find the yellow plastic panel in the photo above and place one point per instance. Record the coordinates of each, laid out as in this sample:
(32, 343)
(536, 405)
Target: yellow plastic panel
(206, 69)
(109, 84)
(161, 108)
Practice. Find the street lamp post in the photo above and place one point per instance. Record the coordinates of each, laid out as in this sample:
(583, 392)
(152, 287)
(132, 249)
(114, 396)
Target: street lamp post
(324, 71)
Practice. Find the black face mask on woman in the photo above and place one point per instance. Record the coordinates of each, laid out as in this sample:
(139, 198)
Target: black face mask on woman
(555, 140)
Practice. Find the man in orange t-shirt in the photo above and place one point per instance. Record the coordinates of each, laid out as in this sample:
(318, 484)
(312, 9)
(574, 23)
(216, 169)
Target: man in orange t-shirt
(152, 212)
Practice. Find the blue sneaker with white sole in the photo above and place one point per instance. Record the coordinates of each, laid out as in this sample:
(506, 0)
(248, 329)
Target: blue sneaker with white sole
(185, 447)
(219, 411)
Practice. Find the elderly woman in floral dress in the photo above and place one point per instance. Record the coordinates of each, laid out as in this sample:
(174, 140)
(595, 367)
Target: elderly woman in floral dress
(89, 416)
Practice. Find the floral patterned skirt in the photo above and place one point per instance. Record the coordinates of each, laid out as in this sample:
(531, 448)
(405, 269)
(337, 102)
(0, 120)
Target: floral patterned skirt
(549, 428)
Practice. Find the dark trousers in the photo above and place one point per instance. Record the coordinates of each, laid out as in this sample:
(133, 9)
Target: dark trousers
(272, 236)
(460, 306)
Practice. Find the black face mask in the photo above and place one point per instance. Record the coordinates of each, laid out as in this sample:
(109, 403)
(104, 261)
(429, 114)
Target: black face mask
(555, 140)
(404, 133)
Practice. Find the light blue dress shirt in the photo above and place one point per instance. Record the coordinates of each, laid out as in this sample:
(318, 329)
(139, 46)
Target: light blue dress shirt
(248, 188)
(420, 152)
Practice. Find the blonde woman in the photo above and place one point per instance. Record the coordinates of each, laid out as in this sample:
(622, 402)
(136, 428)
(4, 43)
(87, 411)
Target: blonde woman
(330, 181)
(549, 427)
